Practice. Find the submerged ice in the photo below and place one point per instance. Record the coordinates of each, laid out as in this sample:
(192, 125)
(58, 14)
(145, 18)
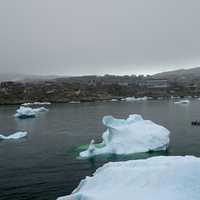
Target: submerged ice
(26, 112)
(170, 177)
(16, 135)
(127, 136)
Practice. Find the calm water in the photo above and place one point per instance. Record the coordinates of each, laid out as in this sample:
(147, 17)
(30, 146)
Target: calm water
(44, 165)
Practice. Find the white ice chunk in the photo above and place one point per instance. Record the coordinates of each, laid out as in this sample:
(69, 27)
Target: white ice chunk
(74, 102)
(16, 135)
(182, 102)
(36, 103)
(129, 99)
(157, 178)
(26, 112)
(131, 135)
(114, 100)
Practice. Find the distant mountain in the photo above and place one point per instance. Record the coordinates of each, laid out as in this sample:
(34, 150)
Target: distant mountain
(180, 75)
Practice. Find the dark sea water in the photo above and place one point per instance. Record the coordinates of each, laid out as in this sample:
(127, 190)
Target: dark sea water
(45, 166)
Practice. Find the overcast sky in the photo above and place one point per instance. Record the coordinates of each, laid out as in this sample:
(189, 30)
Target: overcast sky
(76, 37)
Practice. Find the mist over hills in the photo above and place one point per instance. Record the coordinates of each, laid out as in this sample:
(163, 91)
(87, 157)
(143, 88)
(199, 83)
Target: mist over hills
(24, 77)
(175, 75)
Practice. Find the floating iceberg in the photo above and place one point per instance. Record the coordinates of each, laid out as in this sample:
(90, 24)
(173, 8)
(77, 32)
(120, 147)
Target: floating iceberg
(36, 103)
(74, 102)
(133, 135)
(129, 99)
(114, 100)
(170, 177)
(27, 112)
(16, 135)
(182, 102)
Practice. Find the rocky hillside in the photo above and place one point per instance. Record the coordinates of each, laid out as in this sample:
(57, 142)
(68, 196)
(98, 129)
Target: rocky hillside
(180, 75)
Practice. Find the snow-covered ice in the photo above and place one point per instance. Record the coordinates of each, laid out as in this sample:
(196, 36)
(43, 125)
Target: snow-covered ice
(16, 135)
(157, 178)
(27, 112)
(36, 103)
(127, 136)
(186, 101)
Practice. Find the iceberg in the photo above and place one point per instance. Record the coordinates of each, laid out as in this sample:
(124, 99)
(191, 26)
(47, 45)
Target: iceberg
(28, 112)
(114, 100)
(74, 102)
(182, 102)
(156, 178)
(36, 103)
(16, 135)
(128, 136)
(129, 99)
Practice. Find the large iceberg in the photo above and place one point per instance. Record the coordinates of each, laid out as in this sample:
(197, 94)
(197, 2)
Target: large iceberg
(16, 135)
(36, 103)
(127, 136)
(166, 178)
(28, 112)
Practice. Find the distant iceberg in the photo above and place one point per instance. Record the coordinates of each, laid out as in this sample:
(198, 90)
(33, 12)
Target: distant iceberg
(74, 102)
(36, 103)
(127, 136)
(129, 99)
(156, 178)
(114, 100)
(182, 102)
(27, 112)
(16, 135)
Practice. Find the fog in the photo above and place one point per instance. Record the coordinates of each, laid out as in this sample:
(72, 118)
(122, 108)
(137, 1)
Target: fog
(80, 37)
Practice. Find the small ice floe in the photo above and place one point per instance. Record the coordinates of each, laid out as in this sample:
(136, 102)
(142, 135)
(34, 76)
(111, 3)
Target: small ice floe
(128, 136)
(114, 100)
(156, 178)
(186, 101)
(129, 99)
(28, 112)
(36, 103)
(74, 102)
(16, 135)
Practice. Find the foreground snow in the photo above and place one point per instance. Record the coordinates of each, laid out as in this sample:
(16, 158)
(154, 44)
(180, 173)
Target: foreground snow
(27, 112)
(133, 135)
(157, 178)
(36, 103)
(182, 102)
(16, 135)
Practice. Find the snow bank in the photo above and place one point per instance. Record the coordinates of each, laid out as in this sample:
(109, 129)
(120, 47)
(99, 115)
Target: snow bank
(166, 178)
(129, 99)
(16, 135)
(133, 135)
(27, 112)
(36, 103)
(182, 102)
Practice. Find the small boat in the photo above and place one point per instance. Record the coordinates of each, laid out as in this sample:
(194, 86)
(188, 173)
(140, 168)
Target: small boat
(195, 123)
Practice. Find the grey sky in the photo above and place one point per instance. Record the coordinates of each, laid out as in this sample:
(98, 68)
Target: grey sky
(76, 37)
